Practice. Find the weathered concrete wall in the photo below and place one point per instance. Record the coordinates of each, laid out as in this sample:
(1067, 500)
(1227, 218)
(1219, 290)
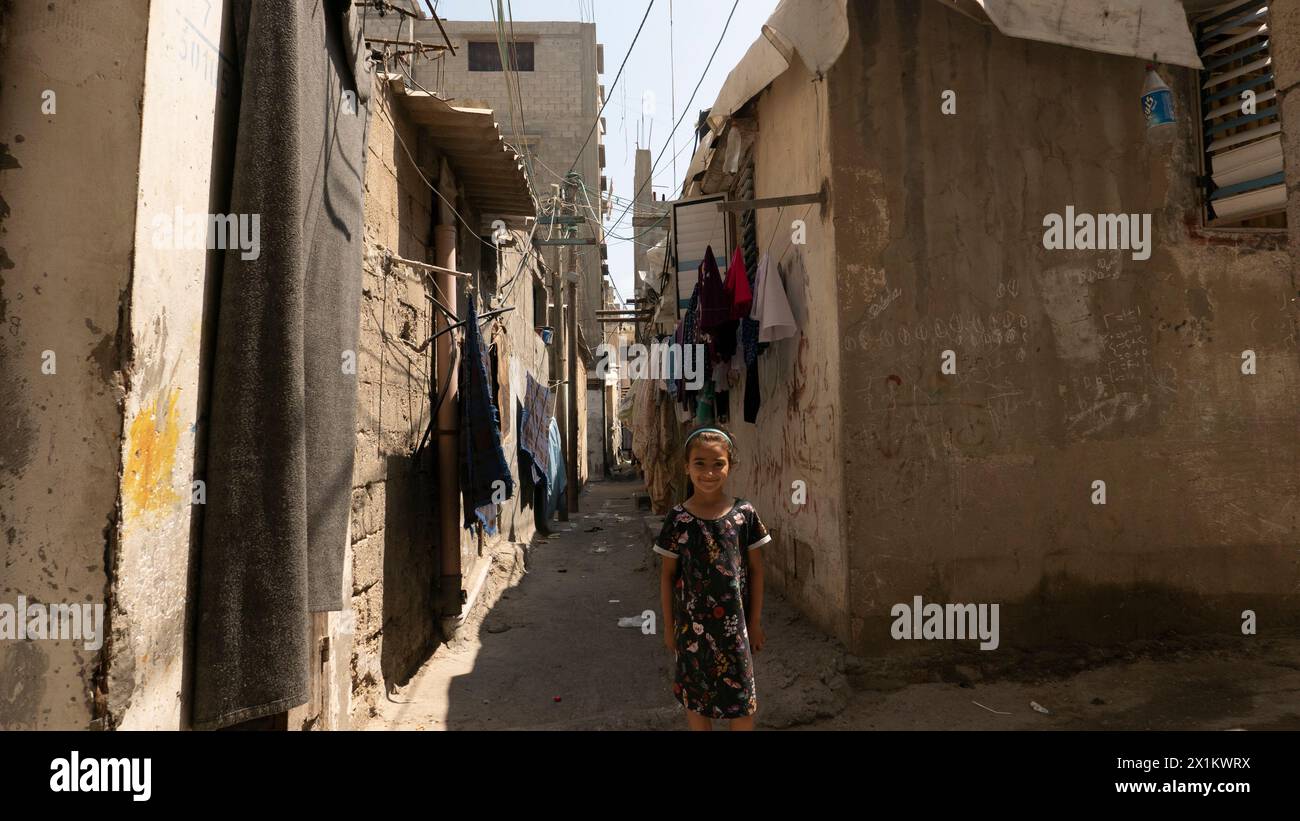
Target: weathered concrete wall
(797, 436)
(68, 211)
(1072, 366)
(596, 430)
(393, 560)
(394, 550)
(1284, 48)
(186, 81)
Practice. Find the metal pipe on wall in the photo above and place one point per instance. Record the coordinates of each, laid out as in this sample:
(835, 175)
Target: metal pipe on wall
(450, 593)
(572, 335)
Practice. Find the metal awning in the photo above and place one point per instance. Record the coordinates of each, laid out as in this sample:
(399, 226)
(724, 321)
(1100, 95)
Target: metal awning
(490, 170)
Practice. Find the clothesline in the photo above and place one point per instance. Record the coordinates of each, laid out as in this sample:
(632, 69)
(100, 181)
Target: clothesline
(735, 319)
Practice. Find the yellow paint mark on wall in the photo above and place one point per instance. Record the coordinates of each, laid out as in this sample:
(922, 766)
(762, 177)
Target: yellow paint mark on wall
(150, 456)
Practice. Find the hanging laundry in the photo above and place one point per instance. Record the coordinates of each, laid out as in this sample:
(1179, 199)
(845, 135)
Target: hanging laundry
(482, 460)
(771, 307)
(556, 477)
(689, 334)
(536, 424)
(752, 398)
(644, 401)
(715, 309)
(706, 404)
(685, 413)
(749, 325)
(737, 286)
(727, 336)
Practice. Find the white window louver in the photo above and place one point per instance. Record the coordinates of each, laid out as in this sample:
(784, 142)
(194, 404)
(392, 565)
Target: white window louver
(1243, 150)
(697, 224)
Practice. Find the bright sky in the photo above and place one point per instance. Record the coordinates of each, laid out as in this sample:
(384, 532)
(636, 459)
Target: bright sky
(696, 26)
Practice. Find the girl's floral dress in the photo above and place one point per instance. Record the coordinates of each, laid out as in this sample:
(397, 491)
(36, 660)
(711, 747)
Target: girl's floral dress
(715, 669)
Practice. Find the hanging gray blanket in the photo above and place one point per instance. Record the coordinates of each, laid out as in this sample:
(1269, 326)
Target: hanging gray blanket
(283, 405)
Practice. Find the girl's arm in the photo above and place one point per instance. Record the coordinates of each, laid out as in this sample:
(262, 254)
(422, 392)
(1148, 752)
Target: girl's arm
(667, 578)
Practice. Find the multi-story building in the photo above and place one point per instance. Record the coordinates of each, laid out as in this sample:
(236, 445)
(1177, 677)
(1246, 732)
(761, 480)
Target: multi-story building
(547, 116)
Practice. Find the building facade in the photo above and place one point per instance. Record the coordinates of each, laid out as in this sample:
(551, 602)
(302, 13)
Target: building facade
(106, 489)
(547, 116)
(970, 413)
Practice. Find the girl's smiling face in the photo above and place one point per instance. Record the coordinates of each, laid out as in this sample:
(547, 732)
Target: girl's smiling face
(708, 466)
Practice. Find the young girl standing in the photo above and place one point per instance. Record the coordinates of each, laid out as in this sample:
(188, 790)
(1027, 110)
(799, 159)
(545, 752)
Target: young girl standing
(711, 588)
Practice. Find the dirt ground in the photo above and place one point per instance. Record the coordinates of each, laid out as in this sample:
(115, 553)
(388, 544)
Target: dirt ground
(542, 649)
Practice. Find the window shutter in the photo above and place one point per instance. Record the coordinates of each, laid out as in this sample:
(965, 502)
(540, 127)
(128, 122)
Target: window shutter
(1243, 149)
(697, 224)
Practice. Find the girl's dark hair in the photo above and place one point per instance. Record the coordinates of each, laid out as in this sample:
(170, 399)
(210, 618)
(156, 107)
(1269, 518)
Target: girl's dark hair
(711, 437)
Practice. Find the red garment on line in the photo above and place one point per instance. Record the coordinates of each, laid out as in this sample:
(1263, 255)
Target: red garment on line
(736, 285)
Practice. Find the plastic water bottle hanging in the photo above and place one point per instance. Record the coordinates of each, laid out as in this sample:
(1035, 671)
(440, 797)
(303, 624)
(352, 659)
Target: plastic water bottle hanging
(1158, 107)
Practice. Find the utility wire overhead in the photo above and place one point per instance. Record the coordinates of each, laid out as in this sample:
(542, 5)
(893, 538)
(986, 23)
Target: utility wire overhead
(610, 92)
(686, 109)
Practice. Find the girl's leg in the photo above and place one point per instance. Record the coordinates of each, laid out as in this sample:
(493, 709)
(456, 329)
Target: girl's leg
(697, 721)
(742, 723)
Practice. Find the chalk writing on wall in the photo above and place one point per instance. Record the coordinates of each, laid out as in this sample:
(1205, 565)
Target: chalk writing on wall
(875, 310)
(1122, 385)
(997, 329)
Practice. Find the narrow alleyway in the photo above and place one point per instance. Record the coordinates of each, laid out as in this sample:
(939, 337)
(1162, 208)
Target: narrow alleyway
(543, 650)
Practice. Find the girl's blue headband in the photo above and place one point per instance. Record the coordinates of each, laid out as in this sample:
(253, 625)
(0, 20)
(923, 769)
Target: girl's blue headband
(709, 430)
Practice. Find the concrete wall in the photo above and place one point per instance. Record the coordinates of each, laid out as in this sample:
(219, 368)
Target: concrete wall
(797, 434)
(1284, 28)
(393, 557)
(68, 212)
(172, 303)
(653, 230)
(1072, 366)
(394, 531)
(595, 431)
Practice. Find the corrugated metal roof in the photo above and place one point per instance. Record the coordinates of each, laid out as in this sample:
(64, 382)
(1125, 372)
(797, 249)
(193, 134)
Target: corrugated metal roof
(490, 170)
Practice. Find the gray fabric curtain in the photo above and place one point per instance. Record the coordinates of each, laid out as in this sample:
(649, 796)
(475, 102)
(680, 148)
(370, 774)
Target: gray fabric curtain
(282, 412)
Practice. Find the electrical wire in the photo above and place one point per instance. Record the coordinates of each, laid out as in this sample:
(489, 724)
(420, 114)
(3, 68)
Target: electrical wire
(507, 65)
(705, 73)
(610, 91)
(663, 215)
(609, 232)
(651, 178)
(442, 392)
(672, 82)
(617, 200)
(523, 123)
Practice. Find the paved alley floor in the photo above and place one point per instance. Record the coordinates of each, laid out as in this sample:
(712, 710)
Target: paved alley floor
(542, 649)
